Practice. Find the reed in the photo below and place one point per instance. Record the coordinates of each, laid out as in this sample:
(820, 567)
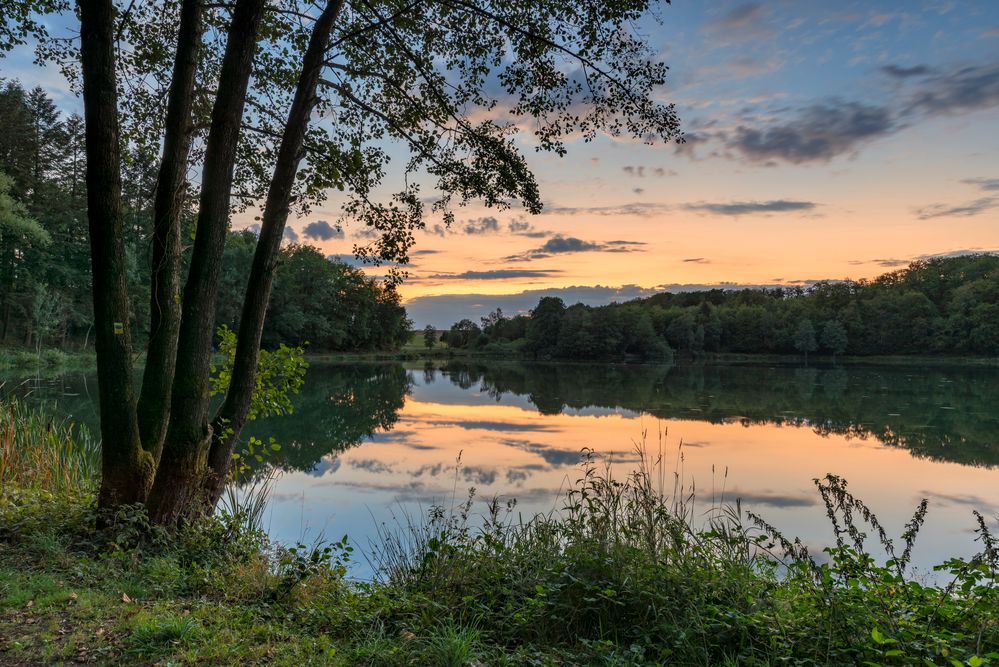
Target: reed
(38, 452)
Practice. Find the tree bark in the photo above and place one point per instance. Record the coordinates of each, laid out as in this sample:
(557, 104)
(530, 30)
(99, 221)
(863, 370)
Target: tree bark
(164, 308)
(232, 416)
(126, 468)
(182, 464)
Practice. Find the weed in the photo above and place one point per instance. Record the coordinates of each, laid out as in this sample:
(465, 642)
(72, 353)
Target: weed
(154, 635)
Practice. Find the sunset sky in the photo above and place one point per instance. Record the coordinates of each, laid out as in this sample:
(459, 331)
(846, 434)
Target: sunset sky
(824, 141)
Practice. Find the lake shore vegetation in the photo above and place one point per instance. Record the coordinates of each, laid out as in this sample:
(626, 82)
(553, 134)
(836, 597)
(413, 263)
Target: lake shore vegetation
(630, 570)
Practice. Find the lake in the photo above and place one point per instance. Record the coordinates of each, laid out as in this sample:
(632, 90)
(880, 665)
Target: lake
(372, 442)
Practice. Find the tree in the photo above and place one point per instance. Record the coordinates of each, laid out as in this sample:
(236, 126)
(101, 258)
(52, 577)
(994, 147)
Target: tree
(544, 326)
(493, 320)
(834, 337)
(429, 336)
(463, 334)
(397, 73)
(804, 338)
(18, 233)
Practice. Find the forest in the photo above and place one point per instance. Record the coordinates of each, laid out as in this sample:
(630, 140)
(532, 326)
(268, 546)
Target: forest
(946, 305)
(45, 272)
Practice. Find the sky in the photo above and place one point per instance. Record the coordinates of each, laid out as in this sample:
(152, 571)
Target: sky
(824, 141)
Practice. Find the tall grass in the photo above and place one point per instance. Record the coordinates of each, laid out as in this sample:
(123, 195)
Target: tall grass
(40, 453)
(630, 569)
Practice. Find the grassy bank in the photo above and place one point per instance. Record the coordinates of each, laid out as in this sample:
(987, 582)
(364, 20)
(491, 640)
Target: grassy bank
(48, 359)
(625, 574)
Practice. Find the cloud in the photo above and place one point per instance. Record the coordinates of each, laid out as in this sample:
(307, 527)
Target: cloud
(740, 67)
(320, 230)
(821, 131)
(697, 260)
(426, 252)
(498, 274)
(358, 262)
(967, 500)
(365, 234)
(565, 245)
(521, 227)
(290, 235)
(641, 171)
(756, 498)
(484, 225)
(818, 133)
(986, 184)
(489, 425)
(888, 263)
(639, 209)
(553, 456)
(744, 23)
(967, 89)
(959, 210)
(751, 207)
(900, 72)
(488, 225)
(972, 208)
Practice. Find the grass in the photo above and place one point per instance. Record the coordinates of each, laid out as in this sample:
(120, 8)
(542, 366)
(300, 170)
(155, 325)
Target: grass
(25, 359)
(625, 574)
(38, 453)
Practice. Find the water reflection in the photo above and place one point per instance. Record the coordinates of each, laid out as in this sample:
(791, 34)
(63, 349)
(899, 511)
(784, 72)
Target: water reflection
(945, 414)
(366, 438)
(340, 407)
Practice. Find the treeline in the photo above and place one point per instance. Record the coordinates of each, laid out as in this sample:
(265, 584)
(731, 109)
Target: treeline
(935, 306)
(45, 280)
(328, 304)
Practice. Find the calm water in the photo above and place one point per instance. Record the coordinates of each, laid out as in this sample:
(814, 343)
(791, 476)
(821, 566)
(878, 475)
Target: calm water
(369, 441)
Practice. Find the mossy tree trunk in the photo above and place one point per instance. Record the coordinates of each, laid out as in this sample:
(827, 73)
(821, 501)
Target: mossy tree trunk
(188, 433)
(126, 468)
(171, 185)
(232, 415)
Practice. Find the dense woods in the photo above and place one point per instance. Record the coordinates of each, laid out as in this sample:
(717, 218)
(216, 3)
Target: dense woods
(934, 306)
(45, 276)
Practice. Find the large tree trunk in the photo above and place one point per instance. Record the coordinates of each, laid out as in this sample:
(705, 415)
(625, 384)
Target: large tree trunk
(232, 415)
(185, 450)
(164, 308)
(126, 468)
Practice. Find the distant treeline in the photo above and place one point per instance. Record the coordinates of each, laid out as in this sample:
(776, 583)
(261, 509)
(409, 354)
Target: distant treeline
(45, 277)
(328, 304)
(936, 306)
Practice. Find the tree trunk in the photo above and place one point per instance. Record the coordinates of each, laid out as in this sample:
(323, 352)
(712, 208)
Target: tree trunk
(232, 415)
(164, 308)
(188, 437)
(126, 469)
